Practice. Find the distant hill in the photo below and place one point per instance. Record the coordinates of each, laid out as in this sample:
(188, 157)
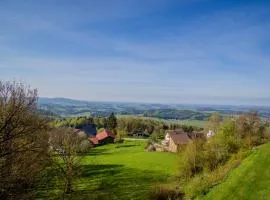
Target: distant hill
(71, 107)
(61, 101)
(47, 113)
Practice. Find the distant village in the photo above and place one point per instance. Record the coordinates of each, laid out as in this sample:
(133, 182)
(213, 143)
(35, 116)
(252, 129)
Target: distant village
(174, 140)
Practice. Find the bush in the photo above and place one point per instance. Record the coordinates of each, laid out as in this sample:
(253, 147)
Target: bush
(148, 143)
(85, 146)
(267, 133)
(201, 184)
(216, 153)
(119, 141)
(251, 130)
(163, 193)
(192, 160)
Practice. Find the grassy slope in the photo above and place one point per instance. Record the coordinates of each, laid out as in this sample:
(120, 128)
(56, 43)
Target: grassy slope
(123, 171)
(251, 180)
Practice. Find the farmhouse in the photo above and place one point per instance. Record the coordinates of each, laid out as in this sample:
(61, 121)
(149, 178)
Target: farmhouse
(102, 138)
(175, 140)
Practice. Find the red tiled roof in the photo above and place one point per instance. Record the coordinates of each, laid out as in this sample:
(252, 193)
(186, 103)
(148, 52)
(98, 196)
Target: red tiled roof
(104, 134)
(94, 140)
(180, 137)
(101, 136)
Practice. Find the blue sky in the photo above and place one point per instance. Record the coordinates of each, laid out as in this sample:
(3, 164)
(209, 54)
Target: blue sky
(177, 51)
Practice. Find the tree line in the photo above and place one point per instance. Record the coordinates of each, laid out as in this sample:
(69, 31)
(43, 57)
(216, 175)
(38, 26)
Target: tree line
(125, 125)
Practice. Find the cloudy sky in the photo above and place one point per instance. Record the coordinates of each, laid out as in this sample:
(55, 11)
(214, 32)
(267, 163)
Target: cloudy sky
(177, 51)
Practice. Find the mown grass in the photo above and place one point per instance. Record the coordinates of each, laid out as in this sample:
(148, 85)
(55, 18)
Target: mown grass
(120, 171)
(251, 180)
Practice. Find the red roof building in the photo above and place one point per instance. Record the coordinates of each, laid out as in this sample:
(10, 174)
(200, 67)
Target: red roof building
(103, 137)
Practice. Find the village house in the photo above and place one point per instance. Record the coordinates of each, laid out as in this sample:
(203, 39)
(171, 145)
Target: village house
(210, 134)
(104, 137)
(175, 140)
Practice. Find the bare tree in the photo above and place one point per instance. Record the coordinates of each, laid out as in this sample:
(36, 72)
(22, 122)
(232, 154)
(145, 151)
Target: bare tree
(251, 129)
(23, 139)
(69, 147)
(214, 122)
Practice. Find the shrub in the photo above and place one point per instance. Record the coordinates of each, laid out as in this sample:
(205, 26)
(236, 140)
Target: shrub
(85, 146)
(202, 184)
(228, 134)
(163, 193)
(119, 141)
(148, 143)
(192, 160)
(216, 153)
(251, 130)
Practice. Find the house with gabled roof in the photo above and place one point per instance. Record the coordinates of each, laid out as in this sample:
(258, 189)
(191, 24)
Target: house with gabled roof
(104, 137)
(174, 140)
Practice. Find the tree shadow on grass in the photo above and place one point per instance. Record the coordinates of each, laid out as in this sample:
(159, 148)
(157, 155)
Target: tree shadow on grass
(90, 171)
(126, 146)
(109, 182)
(96, 152)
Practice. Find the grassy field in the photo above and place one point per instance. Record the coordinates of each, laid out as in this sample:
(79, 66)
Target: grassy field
(123, 171)
(192, 122)
(251, 180)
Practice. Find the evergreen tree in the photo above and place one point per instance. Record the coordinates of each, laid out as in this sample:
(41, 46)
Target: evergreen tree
(111, 122)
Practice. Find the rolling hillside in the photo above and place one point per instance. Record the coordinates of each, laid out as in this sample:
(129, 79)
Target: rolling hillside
(70, 107)
(251, 180)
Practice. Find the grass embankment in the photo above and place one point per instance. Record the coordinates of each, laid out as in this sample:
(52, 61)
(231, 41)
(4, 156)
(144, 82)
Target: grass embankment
(251, 180)
(122, 171)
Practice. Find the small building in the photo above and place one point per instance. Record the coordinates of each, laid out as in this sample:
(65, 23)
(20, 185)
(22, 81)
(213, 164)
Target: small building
(175, 140)
(210, 134)
(104, 137)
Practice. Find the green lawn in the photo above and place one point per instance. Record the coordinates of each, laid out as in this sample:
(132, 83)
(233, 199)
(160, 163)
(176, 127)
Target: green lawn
(193, 122)
(251, 180)
(124, 171)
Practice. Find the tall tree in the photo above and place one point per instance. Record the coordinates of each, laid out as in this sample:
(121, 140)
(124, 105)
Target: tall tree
(251, 129)
(111, 122)
(69, 146)
(23, 139)
(214, 122)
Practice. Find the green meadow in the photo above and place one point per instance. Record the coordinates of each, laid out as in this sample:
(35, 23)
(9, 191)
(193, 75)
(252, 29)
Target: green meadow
(121, 171)
(127, 171)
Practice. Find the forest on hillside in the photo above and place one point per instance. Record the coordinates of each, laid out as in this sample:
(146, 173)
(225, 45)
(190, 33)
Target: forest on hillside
(68, 107)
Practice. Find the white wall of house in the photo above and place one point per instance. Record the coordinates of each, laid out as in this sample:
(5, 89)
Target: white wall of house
(210, 134)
